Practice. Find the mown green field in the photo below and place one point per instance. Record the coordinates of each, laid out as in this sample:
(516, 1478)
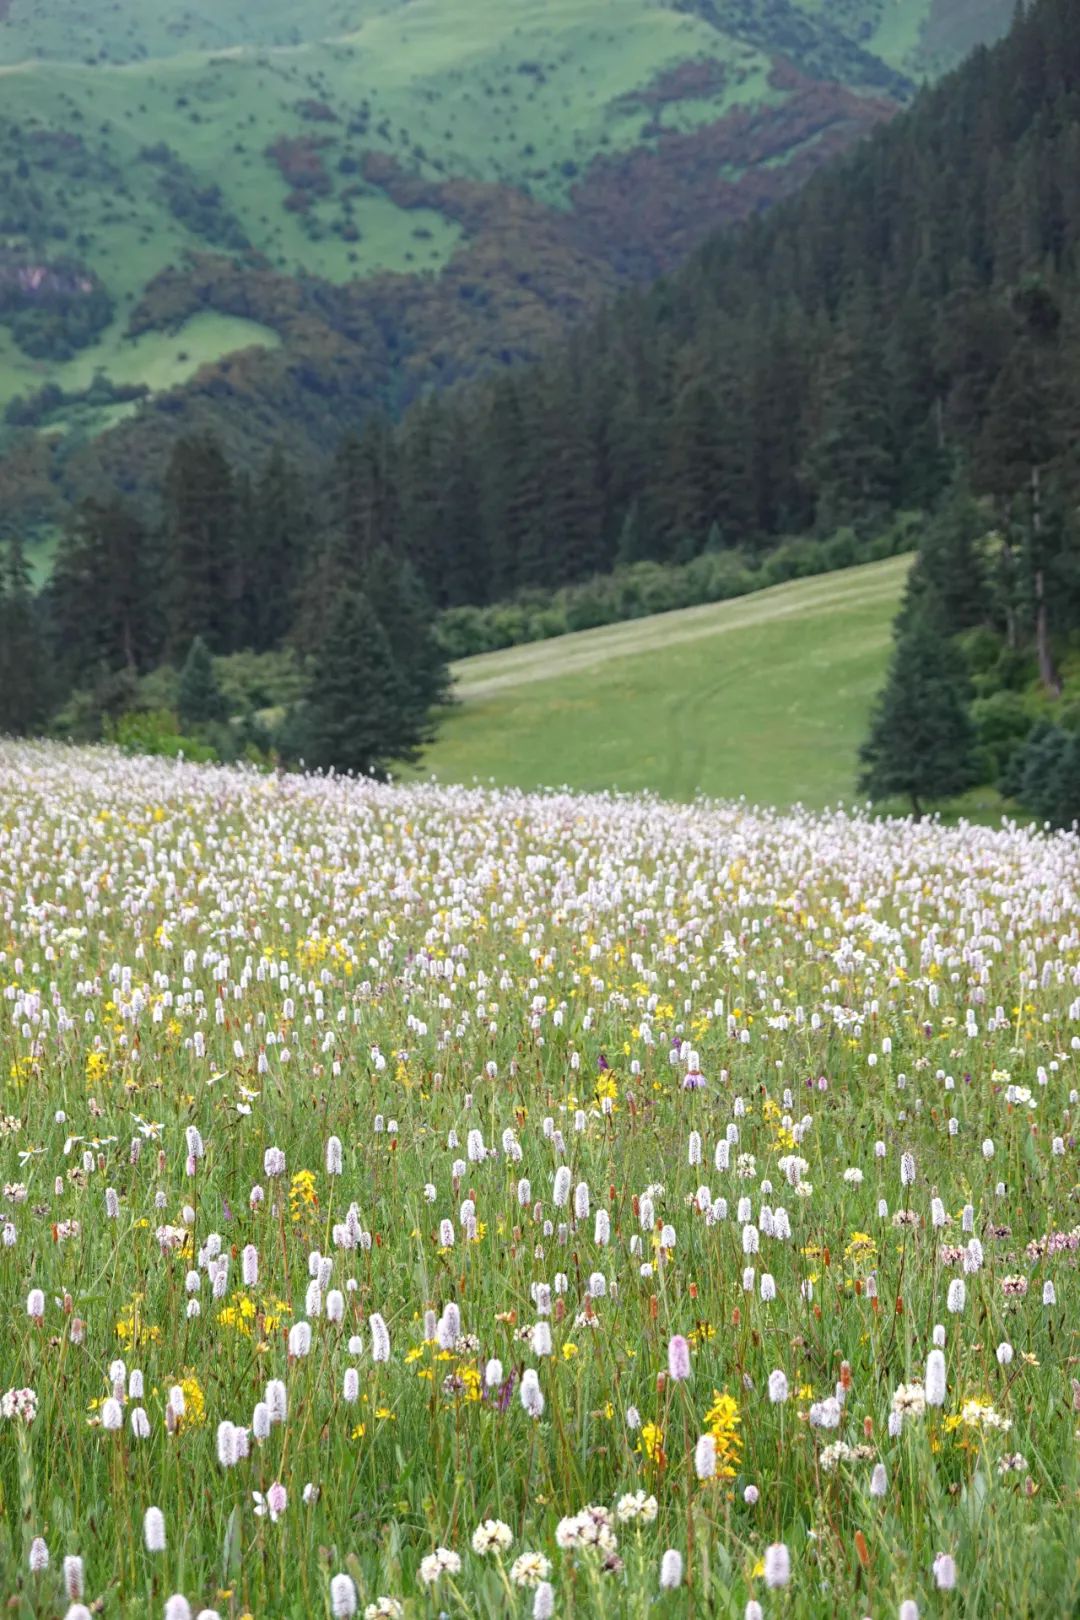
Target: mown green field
(765, 697)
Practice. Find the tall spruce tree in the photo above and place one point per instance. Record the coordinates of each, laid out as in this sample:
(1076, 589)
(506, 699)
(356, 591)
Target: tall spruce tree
(950, 578)
(200, 699)
(203, 583)
(280, 523)
(400, 604)
(357, 716)
(104, 596)
(921, 742)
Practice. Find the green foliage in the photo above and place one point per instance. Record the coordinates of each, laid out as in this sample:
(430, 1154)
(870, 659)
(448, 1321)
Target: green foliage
(25, 676)
(357, 715)
(156, 731)
(1044, 774)
(644, 588)
(251, 681)
(921, 741)
(207, 186)
(200, 545)
(200, 699)
(1002, 723)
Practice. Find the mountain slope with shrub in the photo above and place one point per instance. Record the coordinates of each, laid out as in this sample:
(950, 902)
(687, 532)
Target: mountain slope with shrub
(260, 222)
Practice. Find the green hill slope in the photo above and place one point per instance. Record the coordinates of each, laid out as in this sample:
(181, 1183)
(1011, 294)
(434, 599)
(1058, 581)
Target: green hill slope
(766, 696)
(385, 193)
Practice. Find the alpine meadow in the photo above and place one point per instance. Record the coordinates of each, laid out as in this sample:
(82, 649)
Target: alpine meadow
(539, 809)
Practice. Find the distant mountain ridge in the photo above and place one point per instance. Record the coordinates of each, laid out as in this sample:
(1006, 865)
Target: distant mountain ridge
(267, 223)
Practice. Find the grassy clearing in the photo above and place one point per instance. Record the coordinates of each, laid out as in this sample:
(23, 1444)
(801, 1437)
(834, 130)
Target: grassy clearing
(766, 697)
(160, 360)
(421, 1202)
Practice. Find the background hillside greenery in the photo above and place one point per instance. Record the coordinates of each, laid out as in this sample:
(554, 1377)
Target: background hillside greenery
(259, 222)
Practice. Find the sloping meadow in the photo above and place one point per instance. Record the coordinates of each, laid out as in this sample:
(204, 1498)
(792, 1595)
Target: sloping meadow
(422, 1200)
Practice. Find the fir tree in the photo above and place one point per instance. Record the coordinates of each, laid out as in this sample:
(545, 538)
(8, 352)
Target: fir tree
(280, 524)
(203, 582)
(404, 613)
(357, 714)
(631, 546)
(200, 699)
(950, 578)
(103, 595)
(921, 742)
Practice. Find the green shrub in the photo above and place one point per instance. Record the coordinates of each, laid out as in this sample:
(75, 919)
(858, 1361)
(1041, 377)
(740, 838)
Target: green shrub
(156, 731)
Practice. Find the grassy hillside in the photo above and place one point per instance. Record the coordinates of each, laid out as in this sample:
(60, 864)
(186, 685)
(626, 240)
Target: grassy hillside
(766, 696)
(388, 193)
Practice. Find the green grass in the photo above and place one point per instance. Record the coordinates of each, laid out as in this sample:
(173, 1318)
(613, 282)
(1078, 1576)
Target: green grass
(765, 697)
(160, 360)
(918, 37)
(640, 1090)
(499, 91)
(493, 90)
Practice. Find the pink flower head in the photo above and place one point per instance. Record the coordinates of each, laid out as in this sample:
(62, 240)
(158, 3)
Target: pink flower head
(678, 1358)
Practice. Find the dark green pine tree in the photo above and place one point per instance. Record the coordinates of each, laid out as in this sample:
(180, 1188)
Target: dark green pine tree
(200, 699)
(465, 570)
(330, 567)
(851, 460)
(366, 495)
(103, 595)
(1025, 457)
(73, 607)
(281, 523)
(512, 499)
(698, 450)
(357, 716)
(572, 516)
(1065, 785)
(25, 677)
(921, 742)
(401, 606)
(950, 579)
(203, 582)
(631, 547)
(1036, 776)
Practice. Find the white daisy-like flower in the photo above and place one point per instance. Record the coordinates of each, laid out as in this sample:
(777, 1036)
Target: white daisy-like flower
(491, 1536)
(441, 1562)
(529, 1569)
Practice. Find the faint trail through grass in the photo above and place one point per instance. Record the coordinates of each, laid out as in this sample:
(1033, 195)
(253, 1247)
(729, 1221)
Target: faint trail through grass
(766, 696)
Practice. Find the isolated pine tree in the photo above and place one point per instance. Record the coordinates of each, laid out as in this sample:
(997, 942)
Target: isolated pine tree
(356, 717)
(921, 742)
(200, 699)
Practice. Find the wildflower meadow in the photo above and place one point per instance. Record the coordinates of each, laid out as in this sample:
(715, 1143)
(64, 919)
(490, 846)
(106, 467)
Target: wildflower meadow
(429, 1201)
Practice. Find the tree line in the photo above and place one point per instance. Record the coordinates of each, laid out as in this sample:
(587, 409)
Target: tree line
(234, 562)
